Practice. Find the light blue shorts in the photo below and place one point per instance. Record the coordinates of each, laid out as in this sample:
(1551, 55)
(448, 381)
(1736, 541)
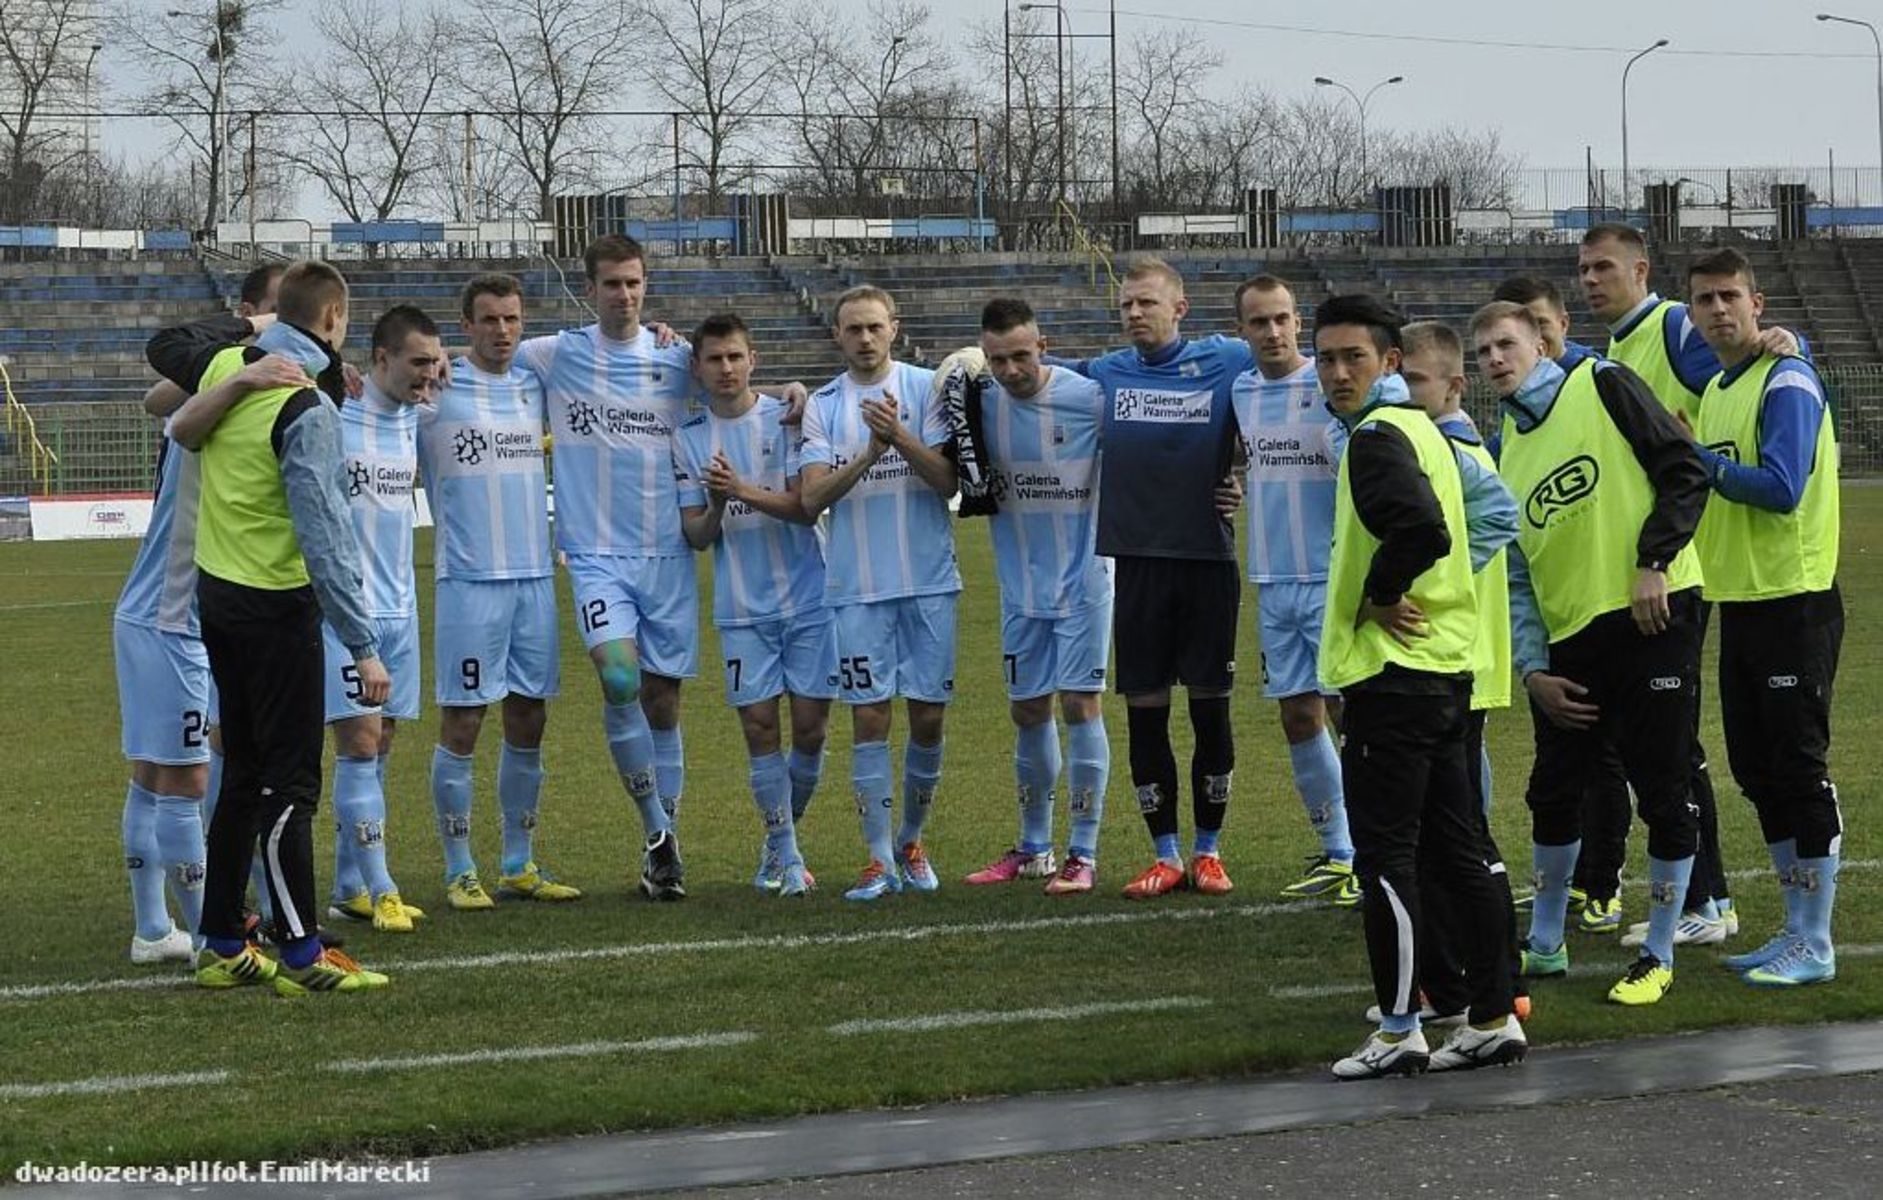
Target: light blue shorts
(651, 600)
(494, 638)
(163, 695)
(398, 650)
(792, 654)
(1288, 616)
(1044, 655)
(903, 647)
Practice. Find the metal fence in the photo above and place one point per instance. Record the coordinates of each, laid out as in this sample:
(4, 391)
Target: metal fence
(104, 447)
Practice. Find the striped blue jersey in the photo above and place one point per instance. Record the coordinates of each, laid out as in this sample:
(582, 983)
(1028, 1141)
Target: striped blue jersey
(763, 568)
(889, 536)
(1284, 425)
(379, 447)
(613, 407)
(161, 590)
(1045, 453)
(480, 447)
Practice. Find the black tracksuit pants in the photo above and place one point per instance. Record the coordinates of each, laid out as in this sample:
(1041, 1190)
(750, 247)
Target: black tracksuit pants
(1441, 968)
(265, 654)
(1419, 839)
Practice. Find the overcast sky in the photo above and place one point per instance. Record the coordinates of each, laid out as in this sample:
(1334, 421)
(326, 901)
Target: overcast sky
(1744, 82)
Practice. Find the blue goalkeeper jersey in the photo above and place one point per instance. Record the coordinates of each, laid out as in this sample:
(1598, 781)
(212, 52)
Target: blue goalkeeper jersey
(889, 536)
(613, 407)
(480, 444)
(1170, 437)
(1044, 454)
(764, 569)
(1285, 430)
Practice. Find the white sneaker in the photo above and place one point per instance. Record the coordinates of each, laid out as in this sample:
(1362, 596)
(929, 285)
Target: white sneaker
(175, 946)
(1378, 1057)
(1693, 930)
(1427, 1016)
(1469, 1047)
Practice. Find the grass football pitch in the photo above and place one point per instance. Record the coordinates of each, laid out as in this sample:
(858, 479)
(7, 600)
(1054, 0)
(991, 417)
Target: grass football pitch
(614, 1013)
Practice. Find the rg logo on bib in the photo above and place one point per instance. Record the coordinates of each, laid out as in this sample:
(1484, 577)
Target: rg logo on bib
(1560, 489)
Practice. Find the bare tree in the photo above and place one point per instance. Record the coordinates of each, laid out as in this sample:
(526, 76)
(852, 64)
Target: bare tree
(1480, 172)
(713, 64)
(1162, 78)
(46, 49)
(206, 61)
(542, 69)
(381, 74)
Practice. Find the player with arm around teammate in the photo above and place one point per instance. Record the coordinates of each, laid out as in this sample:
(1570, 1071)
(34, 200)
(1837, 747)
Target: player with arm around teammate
(379, 442)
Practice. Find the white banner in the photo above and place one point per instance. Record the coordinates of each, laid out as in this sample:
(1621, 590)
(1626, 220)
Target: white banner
(63, 519)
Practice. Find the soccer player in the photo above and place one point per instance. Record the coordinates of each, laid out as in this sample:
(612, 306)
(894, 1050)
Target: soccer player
(1768, 547)
(1284, 428)
(873, 456)
(1041, 437)
(1607, 811)
(1166, 489)
(274, 553)
(1604, 597)
(379, 442)
(480, 446)
(1399, 640)
(1432, 364)
(615, 396)
(736, 467)
(163, 679)
(1657, 339)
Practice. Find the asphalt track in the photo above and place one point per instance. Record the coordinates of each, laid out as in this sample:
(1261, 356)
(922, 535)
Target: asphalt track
(1733, 1113)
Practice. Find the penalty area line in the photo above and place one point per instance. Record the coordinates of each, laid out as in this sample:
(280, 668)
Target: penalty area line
(109, 1085)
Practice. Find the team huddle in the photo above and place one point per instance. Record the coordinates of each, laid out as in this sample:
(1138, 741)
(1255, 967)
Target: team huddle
(1408, 569)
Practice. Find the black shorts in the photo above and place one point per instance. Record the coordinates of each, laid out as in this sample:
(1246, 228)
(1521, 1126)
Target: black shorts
(1174, 621)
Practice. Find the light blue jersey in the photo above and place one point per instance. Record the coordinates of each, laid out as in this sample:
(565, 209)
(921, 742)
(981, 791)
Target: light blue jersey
(763, 568)
(889, 535)
(1292, 471)
(613, 407)
(1045, 456)
(379, 447)
(480, 445)
(160, 592)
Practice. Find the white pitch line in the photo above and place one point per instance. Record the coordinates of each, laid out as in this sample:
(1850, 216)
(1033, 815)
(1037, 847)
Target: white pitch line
(52, 604)
(105, 1085)
(1012, 1016)
(655, 1045)
(1855, 864)
(781, 942)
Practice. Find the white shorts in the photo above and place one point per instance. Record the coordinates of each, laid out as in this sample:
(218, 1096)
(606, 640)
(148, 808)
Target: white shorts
(1288, 616)
(163, 695)
(398, 650)
(903, 647)
(792, 654)
(1044, 655)
(651, 600)
(494, 638)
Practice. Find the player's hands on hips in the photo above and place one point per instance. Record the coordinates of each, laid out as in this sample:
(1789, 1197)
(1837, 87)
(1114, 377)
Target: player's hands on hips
(1229, 495)
(1648, 605)
(884, 417)
(722, 482)
(274, 371)
(1402, 620)
(1557, 696)
(796, 396)
(1779, 340)
(375, 684)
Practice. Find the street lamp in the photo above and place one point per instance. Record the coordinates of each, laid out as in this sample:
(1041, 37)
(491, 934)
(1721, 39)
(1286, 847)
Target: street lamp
(91, 119)
(1360, 102)
(1879, 74)
(1624, 120)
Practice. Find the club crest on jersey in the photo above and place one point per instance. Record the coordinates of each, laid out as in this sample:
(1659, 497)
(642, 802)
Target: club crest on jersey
(469, 446)
(1561, 490)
